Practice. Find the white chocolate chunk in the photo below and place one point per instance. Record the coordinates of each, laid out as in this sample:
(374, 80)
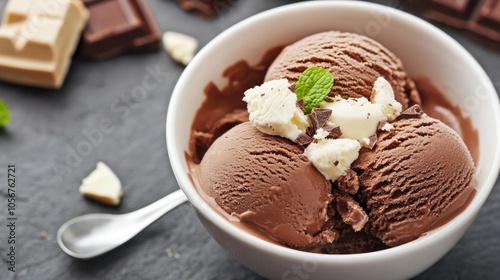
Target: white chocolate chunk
(387, 127)
(320, 134)
(333, 157)
(358, 118)
(383, 95)
(102, 185)
(180, 47)
(273, 110)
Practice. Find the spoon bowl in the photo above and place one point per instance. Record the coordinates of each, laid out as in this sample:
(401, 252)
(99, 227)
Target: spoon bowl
(91, 235)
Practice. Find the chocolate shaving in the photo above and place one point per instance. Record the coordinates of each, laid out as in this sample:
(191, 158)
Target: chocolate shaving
(334, 132)
(300, 105)
(310, 131)
(304, 139)
(319, 117)
(349, 182)
(410, 113)
(373, 141)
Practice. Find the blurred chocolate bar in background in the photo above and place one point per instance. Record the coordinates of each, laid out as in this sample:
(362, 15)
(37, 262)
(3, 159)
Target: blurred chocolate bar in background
(479, 16)
(118, 26)
(205, 8)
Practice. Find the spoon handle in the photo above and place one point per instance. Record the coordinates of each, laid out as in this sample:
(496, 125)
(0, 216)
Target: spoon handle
(145, 216)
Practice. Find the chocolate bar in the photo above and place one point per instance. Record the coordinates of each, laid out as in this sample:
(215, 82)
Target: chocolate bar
(118, 26)
(479, 16)
(37, 40)
(486, 20)
(205, 8)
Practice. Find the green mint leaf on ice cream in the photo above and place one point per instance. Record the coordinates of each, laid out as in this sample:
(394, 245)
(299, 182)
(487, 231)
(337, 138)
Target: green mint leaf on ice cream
(313, 86)
(4, 114)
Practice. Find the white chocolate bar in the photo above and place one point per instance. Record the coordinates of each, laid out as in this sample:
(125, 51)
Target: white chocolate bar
(37, 40)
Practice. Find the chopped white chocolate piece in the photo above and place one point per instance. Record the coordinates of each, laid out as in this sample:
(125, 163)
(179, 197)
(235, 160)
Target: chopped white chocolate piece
(333, 157)
(359, 118)
(102, 185)
(383, 95)
(387, 127)
(180, 47)
(273, 110)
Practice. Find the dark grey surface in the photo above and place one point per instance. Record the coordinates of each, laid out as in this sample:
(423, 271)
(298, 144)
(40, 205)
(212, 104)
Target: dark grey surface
(47, 124)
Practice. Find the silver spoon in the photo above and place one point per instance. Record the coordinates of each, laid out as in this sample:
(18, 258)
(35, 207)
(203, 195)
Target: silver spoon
(91, 235)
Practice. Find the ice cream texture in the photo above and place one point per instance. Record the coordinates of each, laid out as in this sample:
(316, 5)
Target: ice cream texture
(357, 61)
(365, 171)
(416, 175)
(269, 184)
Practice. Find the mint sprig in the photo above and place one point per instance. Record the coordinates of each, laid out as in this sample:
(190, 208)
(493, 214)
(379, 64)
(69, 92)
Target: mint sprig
(4, 114)
(313, 86)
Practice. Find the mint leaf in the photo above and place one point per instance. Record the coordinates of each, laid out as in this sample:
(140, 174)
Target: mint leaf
(4, 114)
(313, 86)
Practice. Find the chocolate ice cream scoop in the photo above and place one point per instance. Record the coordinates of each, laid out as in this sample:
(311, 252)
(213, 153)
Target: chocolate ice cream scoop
(355, 60)
(269, 184)
(415, 177)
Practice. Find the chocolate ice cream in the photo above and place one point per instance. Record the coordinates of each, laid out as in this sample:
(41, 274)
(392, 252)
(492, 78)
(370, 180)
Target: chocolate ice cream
(415, 176)
(356, 61)
(223, 107)
(269, 185)
(341, 193)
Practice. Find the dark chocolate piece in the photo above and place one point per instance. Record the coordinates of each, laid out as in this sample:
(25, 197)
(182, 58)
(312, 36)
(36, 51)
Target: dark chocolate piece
(304, 140)
(310, 131)
(300, 105)
(349, 182)
(410, 113)
(479, 16)
(319, 117)
(334, 132)
(205, 8)
(486, 19)
(350, 211)
(373, 141)
(452, 12)
(328, 99)
(118, 26)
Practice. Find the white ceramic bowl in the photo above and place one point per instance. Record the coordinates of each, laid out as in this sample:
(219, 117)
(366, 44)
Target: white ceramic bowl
(424, 50)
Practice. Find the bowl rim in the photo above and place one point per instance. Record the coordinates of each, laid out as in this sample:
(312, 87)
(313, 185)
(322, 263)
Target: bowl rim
(241, 235)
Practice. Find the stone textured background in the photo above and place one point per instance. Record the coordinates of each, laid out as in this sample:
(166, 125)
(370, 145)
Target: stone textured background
(47, 124)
